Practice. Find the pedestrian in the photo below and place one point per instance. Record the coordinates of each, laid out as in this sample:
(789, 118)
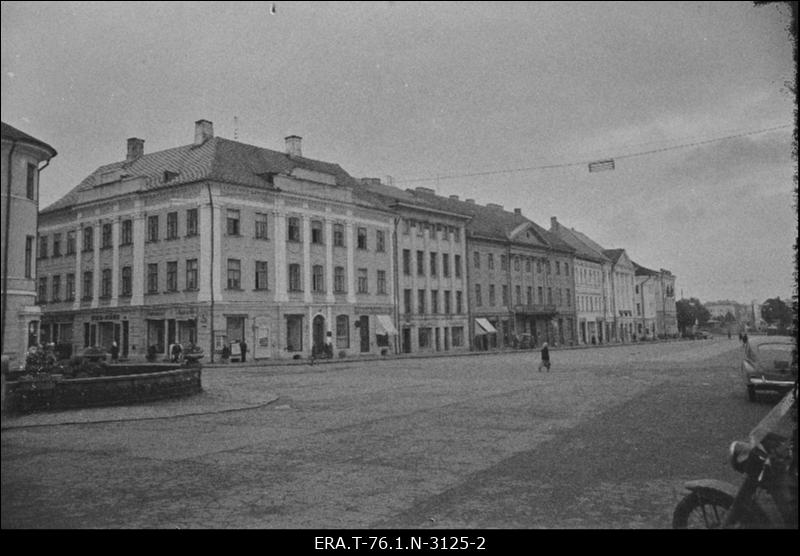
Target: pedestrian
(226, 352)
(744, 339)
(114, 352)
(243, 345)
(545, 358)
(329, 344)
(176, 352)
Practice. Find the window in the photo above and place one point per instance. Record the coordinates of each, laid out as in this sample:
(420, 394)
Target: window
(516, 264)
(29, 256)
(558, 267)
(433, 264)
(539, 266)
(42, 247)
(362, 280)
(191, 222)
(549, 296)
(172, 225)
(232, 222)
(490, 261)
(105, 283)
(127, 281)
(234, 274)
(42, 293)
(446, 265)
(424, 336)
(505, 295)
(566, 269)
(262, 231)
(476, 259)
(380, 241)
(407, 262)
(295, 285)
(338, 279)
(491, 295)
(540, 295)
(458, 266)
(434, 301)
(518, 294)
(569, 298)
(56, 245)
(503, 262)
(105, 235)
(421, 302)
(294, 228)
(548, 267)
(88, 284)
(527, 264)
(457, 234)
(88, 239)
(191, 274)
(457, 335)
(362, 238)
(478, 300)
(420, 263)
(56, 289)
(529, 295)
(172, 276)
(127, 232)
(408, 307)
(338, 235)
(316, 232)
(152, 278)
(447, 305)
(70, 243)
(382, 281)
(261, 275)
(459, 302)
(70, 288)
(30, 181)
(317, 279)
(343, 331)
(152, 228)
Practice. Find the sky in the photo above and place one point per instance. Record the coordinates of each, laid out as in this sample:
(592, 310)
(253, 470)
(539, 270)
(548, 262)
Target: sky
(688, 98)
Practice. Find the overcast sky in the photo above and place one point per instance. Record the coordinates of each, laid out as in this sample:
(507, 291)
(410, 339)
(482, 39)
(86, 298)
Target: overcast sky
(419, 90)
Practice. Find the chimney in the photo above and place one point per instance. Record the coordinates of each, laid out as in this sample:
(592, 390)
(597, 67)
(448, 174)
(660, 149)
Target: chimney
(135, 149)
(203, 131)
(371, 181)
(518, 211)
(470, 201)
(427, 190)
(389, 180)
(454, 197)
(293, 145)
(553, 224)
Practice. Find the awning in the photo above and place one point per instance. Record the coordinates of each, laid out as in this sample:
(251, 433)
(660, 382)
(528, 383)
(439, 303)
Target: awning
(486, 325)
(385, 325)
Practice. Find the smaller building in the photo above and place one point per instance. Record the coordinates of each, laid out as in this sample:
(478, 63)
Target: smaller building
(22, 160)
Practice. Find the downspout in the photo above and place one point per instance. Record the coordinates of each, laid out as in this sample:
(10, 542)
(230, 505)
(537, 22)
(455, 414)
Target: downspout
(5, 247)
(396, 279)
(211, 270)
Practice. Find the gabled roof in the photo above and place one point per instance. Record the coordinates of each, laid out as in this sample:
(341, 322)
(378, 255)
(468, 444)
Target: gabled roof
(490, 222)
(13, 134)
(584, 247)
(644, 271)
(613, 254)
(216, 159)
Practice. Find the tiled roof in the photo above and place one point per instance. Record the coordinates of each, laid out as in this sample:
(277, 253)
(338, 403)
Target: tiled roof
(486, 221)
(613, 254)
(584, 247)
(216, 159)
(644, 271)
(12, 133)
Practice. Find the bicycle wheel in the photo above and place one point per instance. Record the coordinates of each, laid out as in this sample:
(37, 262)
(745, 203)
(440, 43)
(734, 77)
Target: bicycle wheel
(702, 510)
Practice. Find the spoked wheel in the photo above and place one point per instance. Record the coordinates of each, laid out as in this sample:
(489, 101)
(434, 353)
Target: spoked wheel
(706, 510)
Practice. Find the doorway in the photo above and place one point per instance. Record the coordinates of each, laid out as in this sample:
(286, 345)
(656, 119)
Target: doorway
(406, 340)
(318, 335)
(363, 326)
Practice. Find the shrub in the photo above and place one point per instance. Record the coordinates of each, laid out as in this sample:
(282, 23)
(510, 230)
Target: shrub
(342, 354)
(297, 356)
(384, 351)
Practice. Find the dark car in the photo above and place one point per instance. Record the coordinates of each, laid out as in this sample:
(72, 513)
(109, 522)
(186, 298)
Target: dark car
(769, 365)
(703, 335)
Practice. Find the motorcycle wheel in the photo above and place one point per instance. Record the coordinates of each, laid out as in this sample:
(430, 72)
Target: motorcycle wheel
(701, 511)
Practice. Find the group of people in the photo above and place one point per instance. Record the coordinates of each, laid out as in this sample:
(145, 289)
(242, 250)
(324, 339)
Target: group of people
(227, 352)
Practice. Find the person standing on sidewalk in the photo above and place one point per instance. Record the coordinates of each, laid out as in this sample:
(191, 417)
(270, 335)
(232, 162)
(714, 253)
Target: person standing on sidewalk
(243, 346)
(545, 358)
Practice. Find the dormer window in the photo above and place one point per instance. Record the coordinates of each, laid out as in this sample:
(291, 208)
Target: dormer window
(169, 175)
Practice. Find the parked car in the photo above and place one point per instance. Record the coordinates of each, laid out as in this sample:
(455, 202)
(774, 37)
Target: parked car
(525, 341)
(703, 335)
(769, 365)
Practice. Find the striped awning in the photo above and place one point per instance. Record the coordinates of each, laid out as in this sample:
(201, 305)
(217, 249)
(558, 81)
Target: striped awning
(385, 325)
(485, 325)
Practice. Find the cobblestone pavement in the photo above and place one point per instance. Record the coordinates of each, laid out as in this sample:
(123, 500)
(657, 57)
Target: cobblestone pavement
(605, 440)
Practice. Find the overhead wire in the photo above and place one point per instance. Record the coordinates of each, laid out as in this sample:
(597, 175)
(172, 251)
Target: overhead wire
(594, 159)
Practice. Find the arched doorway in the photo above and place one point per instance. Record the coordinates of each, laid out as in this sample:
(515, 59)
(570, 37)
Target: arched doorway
(318, 335)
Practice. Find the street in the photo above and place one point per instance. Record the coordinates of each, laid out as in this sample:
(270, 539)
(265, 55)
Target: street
(603, 441)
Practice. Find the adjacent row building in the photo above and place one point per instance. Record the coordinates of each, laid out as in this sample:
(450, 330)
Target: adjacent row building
(217, 242)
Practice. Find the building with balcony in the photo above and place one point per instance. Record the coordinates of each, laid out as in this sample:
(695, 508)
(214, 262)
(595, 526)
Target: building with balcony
(24, 157)
(213, 243)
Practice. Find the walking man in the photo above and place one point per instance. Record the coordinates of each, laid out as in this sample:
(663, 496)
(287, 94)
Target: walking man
(545, 358)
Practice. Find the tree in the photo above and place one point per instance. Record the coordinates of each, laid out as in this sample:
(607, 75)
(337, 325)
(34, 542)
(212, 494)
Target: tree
(691, 311)
(776, 312)
(729, 317)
